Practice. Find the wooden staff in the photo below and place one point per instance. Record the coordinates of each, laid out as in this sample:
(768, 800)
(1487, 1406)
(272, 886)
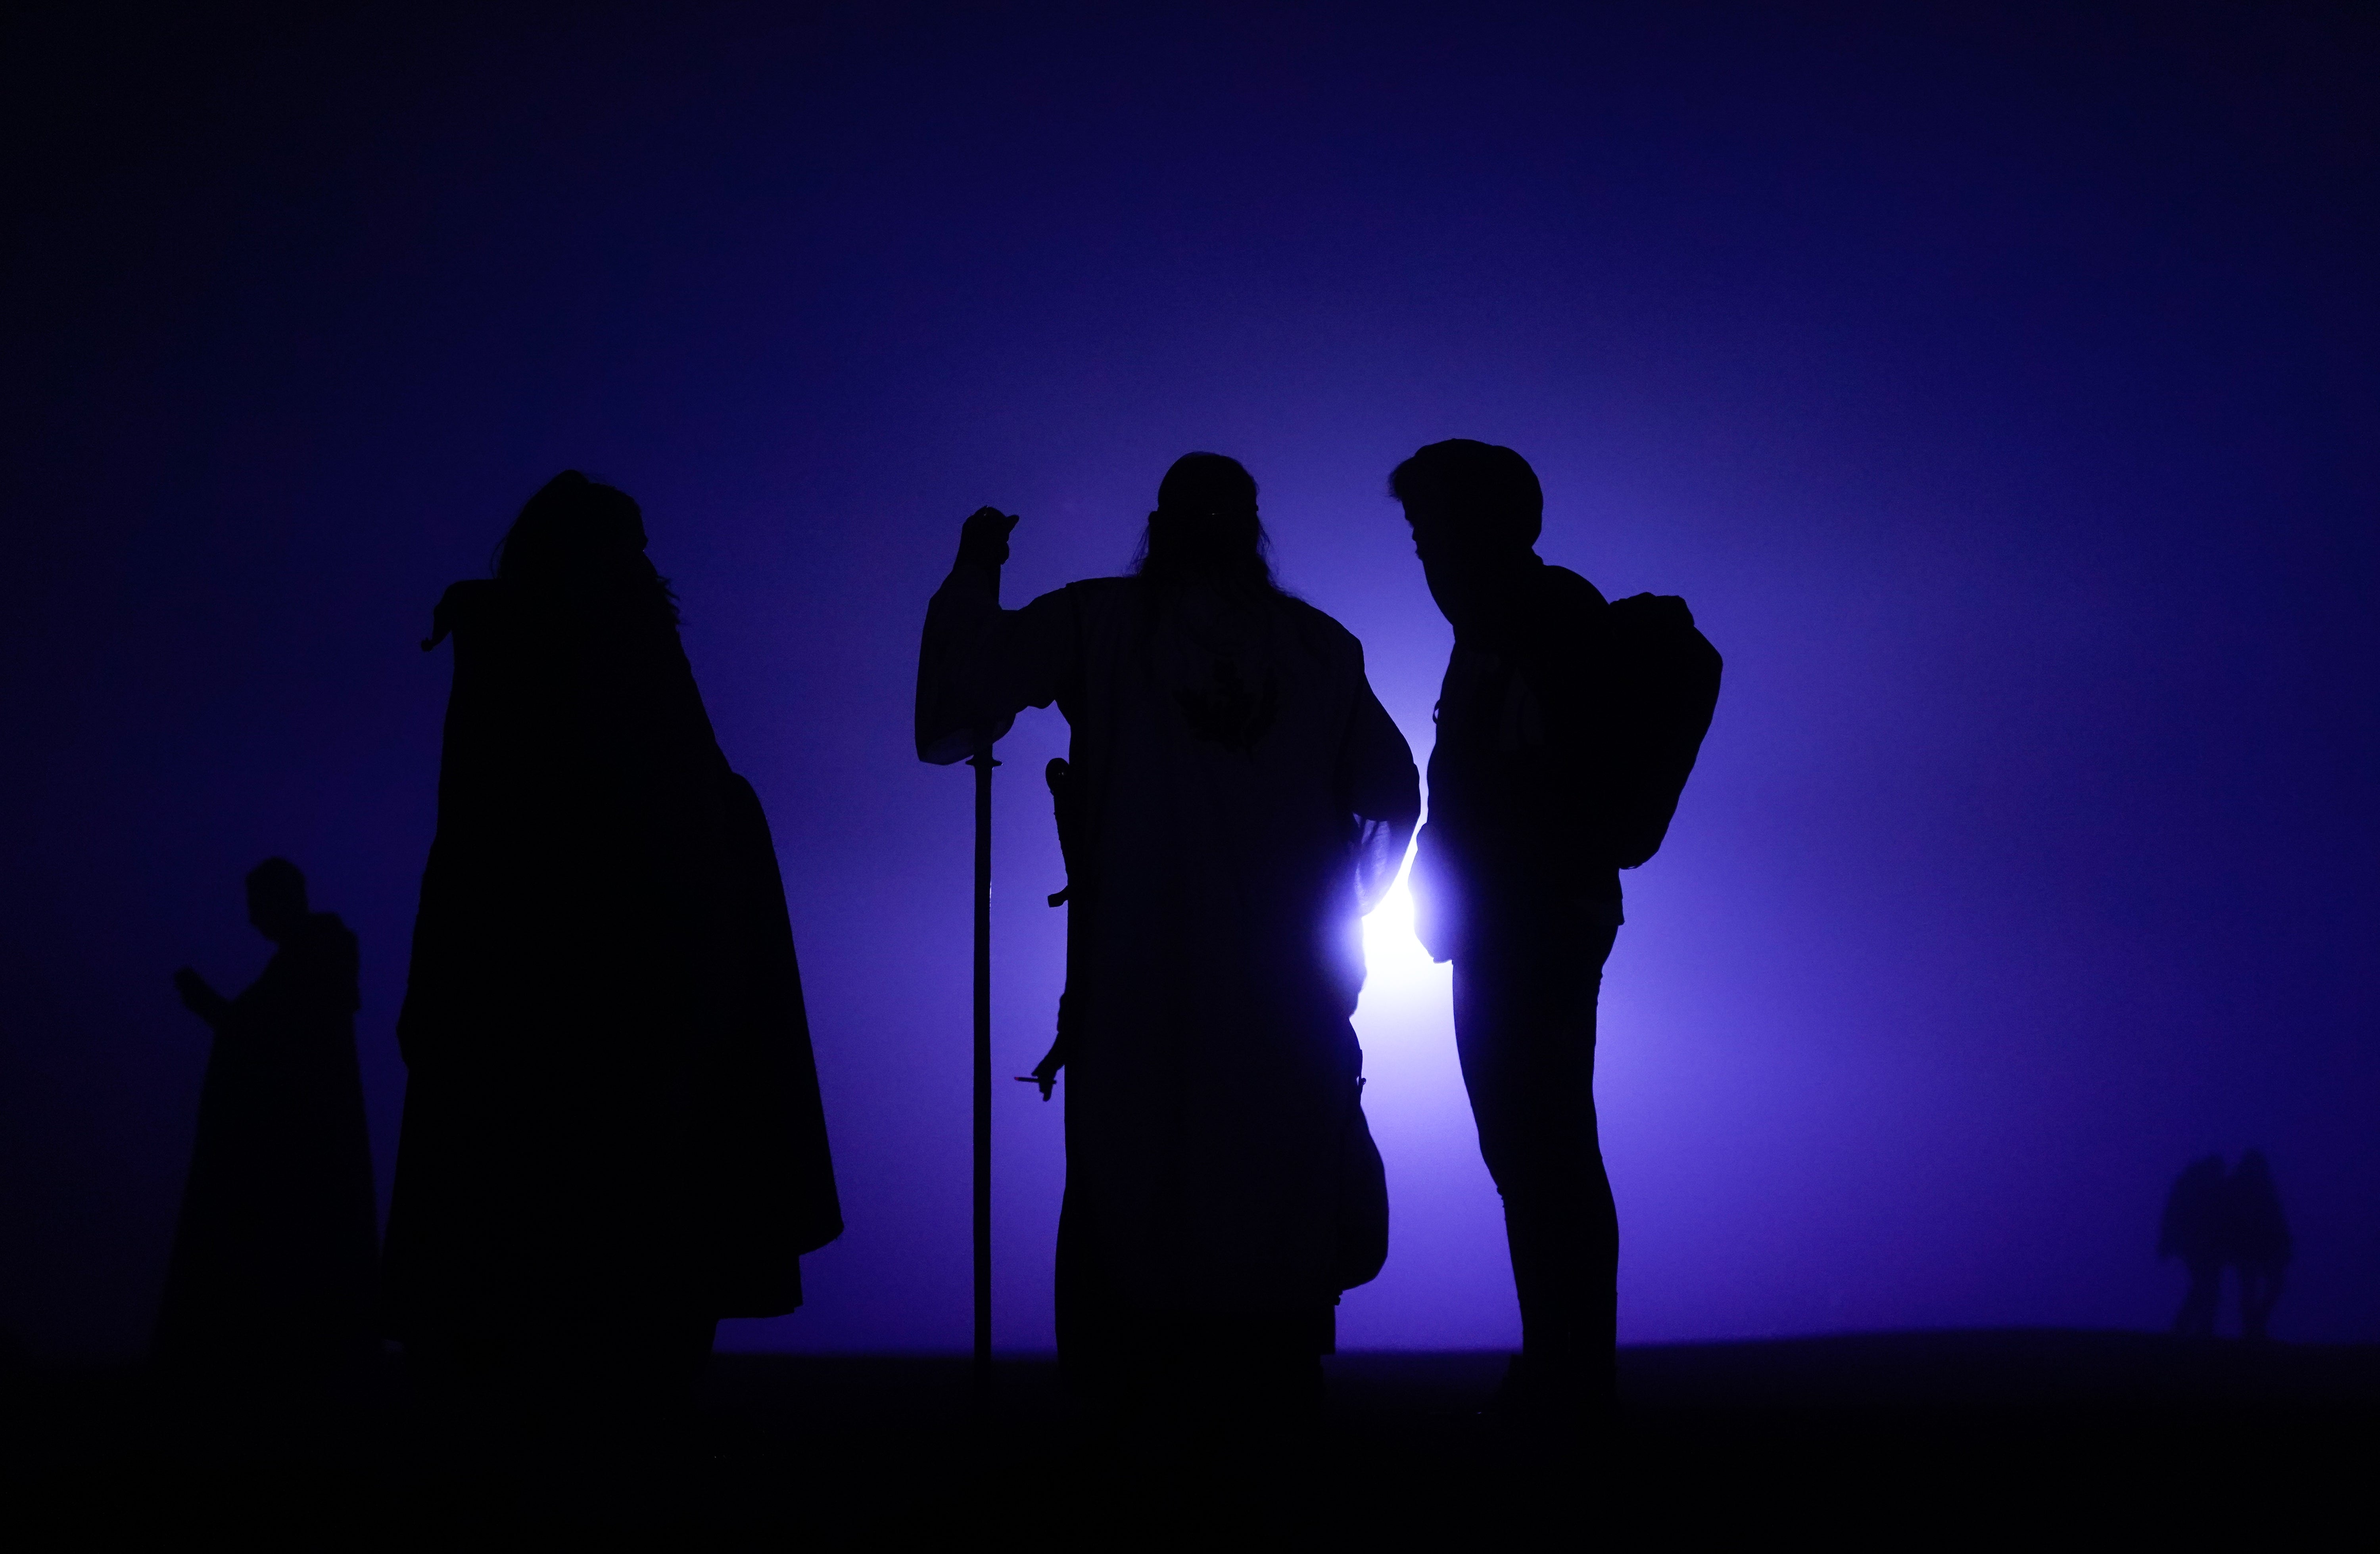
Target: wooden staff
(983, 763)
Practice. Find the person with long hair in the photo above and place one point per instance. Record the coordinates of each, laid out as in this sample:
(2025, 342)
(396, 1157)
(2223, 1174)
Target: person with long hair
(612, 1135)
(1236, 800)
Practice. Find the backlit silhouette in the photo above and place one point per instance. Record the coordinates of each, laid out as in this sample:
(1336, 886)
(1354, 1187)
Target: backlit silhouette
(270, 1285)
(2214, 1221)
(1566, 729)
(2260, 1245)
(2195, 1229)
(1234, 800)
(612, 1135)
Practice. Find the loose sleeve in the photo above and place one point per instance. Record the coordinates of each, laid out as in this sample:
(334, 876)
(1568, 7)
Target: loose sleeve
(979, 666)
(1379, 784)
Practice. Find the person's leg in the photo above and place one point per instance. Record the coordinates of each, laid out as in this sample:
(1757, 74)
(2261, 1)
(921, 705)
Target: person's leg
(2196, 1318)
(1524, 1029)
(2259, 1288)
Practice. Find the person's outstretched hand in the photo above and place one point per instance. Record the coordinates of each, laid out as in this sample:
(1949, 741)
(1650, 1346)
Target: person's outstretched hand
(197, 997)
(983, 539)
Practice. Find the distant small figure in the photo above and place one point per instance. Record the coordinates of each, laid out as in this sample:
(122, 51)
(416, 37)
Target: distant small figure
(2195, 1229)
(2259, 1240)
(272, 1282)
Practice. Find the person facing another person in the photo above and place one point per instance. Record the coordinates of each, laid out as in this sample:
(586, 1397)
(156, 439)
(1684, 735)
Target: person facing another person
(1234, 801)
(1566, 729)
(612, 1135)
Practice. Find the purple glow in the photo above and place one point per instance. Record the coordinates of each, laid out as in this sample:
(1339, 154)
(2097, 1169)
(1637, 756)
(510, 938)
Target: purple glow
(1998, 392)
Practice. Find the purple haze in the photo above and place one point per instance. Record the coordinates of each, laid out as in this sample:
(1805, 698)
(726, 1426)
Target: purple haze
(1997, 389)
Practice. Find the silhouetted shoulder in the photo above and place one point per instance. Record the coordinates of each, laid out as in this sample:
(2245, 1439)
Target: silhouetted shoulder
(1322, 634)
(469, 602)
(463, 607)
(1566, 590)
(1101, 591)
(329, 936)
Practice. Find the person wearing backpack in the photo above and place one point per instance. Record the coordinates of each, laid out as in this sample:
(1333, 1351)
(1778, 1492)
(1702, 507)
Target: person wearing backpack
(1566, 727)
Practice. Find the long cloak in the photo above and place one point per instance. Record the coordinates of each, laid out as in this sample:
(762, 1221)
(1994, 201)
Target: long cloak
(612, 1104)
(1239, 799)
(275, 1254)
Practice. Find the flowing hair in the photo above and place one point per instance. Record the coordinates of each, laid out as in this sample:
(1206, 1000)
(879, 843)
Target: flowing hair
(1206, 530)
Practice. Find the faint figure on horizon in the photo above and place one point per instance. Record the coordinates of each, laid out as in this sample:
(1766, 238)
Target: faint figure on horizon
(1567, 727)
(2214, 1221)
(612, 1135)
(1234, 800)
(2259, 1240)
(2195, 1229)
(270, 1291)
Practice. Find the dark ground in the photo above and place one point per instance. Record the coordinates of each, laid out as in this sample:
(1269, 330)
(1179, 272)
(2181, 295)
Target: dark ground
(1901, 1437)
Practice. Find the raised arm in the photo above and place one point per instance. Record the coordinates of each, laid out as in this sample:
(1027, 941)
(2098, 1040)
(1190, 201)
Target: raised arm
(201, 999)
(979, 666)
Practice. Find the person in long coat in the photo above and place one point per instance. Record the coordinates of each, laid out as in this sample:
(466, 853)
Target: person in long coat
(1236, 800)
(612, 1135)
(270, 1285)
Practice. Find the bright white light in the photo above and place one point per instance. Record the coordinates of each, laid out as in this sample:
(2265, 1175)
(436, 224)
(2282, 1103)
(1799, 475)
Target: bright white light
(1396, 965)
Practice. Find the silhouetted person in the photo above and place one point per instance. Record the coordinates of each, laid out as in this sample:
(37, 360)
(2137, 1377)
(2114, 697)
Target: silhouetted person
(1566, 728)
(270, 1292)
(2258, 1245)
(2196, 1229)
(612, 1135)
(1236, 799)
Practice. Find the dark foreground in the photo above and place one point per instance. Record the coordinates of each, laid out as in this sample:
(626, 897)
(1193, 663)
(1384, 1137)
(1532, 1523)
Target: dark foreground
(1914, 1437)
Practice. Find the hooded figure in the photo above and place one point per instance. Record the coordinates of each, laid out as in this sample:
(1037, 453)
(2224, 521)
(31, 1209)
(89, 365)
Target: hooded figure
(270, 1282)
(612, 1135)
(1234, 801)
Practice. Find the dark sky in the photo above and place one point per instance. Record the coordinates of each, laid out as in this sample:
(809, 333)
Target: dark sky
(1997, 385)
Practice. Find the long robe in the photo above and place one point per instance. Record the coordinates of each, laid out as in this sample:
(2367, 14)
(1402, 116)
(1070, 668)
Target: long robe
(274, 1257)
(611, 1103)
(1240, 798)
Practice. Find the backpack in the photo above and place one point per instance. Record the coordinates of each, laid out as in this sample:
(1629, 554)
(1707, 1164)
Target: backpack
(1663, 689)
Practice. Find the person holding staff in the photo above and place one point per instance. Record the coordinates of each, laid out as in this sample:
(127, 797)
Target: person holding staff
(1236, 799)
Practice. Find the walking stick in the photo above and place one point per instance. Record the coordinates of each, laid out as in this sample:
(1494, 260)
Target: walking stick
(983, 763)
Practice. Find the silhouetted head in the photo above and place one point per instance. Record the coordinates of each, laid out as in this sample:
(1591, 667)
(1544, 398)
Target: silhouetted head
(277, 899)
(2251, 1167)
(1204, 528)
(586, 538)
(1461, 495)
(1475, 510)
